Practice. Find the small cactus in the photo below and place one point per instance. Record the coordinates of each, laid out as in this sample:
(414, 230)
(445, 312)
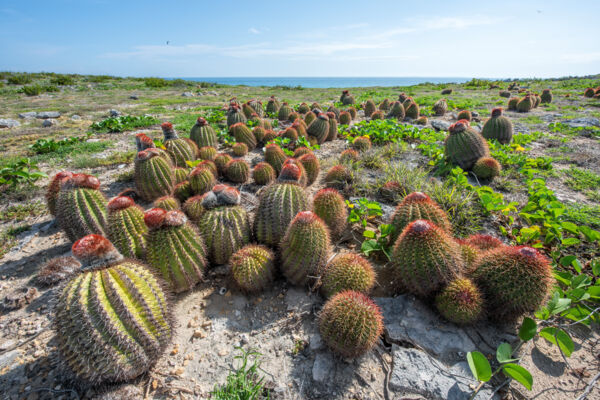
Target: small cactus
(243, 134)
(253, 268)
(352, 112)
(498, 127)
(440, 107)
(309, 117)
(183, 191)
(512, 103)
(446, 91)
(350, 323)
(290, 133)
(284, 112)
(237, 171)
(294, 172)
(193, 207)
(240, 149)
(126, 228)
(166, 203)
(333, 128)
(210, 165)
(464, 114)
(203, 134)
(546, 97)
(487, 168)
(525, 104)
(202, 180)
(57, 270)
(304, 248)
(273, 105)
(396, 111)
(235, 115)
(293, 116)
(361, 143)
(369, 108)
(319, 128)
(179, 149)
(422, 120)
(377, 115)
(221, 161)
(143, 142)
(259, 134)
(275, 156)
(345, 118)
(349, 155)
(329, 205)
(303, 108)
(207, 153)
(346, 98)
(54, 189)
(311, 166)
(263, 173)
(483, 242)
(464, 145)
(180, 175)
(385, 105)
(504, 93)
(411, 110)
(589, 92)
(300, 151)
(348, 271)
(153, 175)
(339, 177)
(175, 248)
(460, 302)
(300, 126)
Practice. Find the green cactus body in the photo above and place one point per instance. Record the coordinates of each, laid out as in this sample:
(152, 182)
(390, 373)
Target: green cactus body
(303, 108)
(269, 135)
(338, 177)
(279, 204)
(349, 155)
(440, 107)
(153, 175)
(300, 126)
(284, 112)
(483, 242)
(207, 153)
(237, 171)
(589, 92)
(247, 110)
(319, 128)
(126, 228)
(525, 104)
(417, 205)
(294, 173)
(464, 145)
(81, 207)
(304, 248)
(470, 254)
(345, 118)
(369, 108)
(460, 302)
(377, 115)
(240, 149)
(221, 161)
(273, 105)
(333, 128)
(182, 191)
(112, 321)
(487, 168)
(310, 117)
(346, 98)
(54, 189)
(263, 173)
(361, 143)
(464, 114)
(253, 267)
(396, 111)
(290, 133)
(193, 207)
(203, 134)
(226, 229)
(257, 106)
(498, 127)
(350, 323)
(537, 100)
(425, 259)
(513, 279)
(352, 112)
(411, 110)
(293, 116)
(512, 103)
(243, 134)
(202, 180)
(179, 149)
(329, 205)
(348, 271)
(546, 97)
(300, 151)
(384, 105)
(180, 175)
(175, 248)
(259, 134)
(235, 116)
(275, 157)
(403, 96)
(166, 203)
(504, 93)
(335, 111)
(311, 167)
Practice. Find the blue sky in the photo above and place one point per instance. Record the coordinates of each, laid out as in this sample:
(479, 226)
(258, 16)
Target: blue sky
(302, 38)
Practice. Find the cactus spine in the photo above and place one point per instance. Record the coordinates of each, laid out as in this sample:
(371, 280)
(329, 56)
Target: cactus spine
(54, 189)
(166, 203)
(460, 302)
(275, 156)
(369, 108)
(319, 128)
(311, 167)
(348, 271)
(180, 150)
(263, 173)
(126, 228)
(238, 171)
(202, 180)
(487, 168)
(329, 205)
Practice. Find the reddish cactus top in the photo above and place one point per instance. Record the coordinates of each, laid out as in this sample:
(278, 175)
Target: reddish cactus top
(174, 218)
(459, 126)
(483, 242)
(166, 126)
(345, 92)
(95, 251)
(290, 173)
(81, 181)
(329, 192)
(219, 188)
(146, 154)
(199, 169)
(61, 175)
(305, 217)
(323, 116)
(416, 197)
(546, 91)
(155, 217)
(230, 196)
(330, 114)
(201, 121)
(272, 146)
(496, 112)
(528, 251)
(420, 226)
(120, 203)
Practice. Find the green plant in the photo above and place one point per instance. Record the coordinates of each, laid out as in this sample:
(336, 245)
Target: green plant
(244, 382)
(237, 171)
(328, 204)
(350, 323)
(363, 210)
(23, 171)
(125, 227)
(425, 258)
(98, 341)
(304, 248)
(460, 302)
(377, 241)
(498, 127)
(62, 80)
(464, 145)
(153, 175)
(417, 205)
(19, 79)
(263, 173)
(44, 146)
(253, 267)
(156, 82)
(174, 248)
(123, 123)
(348, 271)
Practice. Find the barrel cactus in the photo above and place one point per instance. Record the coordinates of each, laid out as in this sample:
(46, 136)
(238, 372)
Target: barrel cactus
(464, 145)
(361, 143)
(348, 271)
(221, 161)
(126, 228)
(498, 127)
(153, 175)
(487, 168)
(175, 248)
(243, 134)
(339, 177)
(333, 128)
(81, 207)
(310, 117)
(483, 242)
(290, 133)
(180, 174)
(546, 96)
(329, 205)
(143, 142)
(512, 103)
(183, 191)
(237, 171)
(235, 115)
(203, 134)
(207, 153)
(460, 302)
(352, 112)
(464, 114)
(349, 155)
(56, 270)
(263, 173)
(396, 111)
(253, 268)
(319, 128)
(54, 189)
(273, 105)
(303, 108)
(300, 151)
(411, 110)
(304, 248)
(179, 149)
(166, 203)
(589, 92)
(346, 98)
(311, 166)
(284, 112)
(384, 105)
(440, 107)
(275, 156)
(345, 118)
(202, 180)
(525, 104)
(300, 126)
(377, 115)
(504, 93)
(369, 108)
(240, 149)
(112, 320)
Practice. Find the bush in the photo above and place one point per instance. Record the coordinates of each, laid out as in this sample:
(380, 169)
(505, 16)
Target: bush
(20, 79)
(180, 82)
(99, 78)
(34, 90)
(156, 82)
(123, 123)
(62, 80)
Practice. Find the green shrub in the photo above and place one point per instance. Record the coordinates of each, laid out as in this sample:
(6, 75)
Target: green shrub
(156, 82)
(35, 90)
(123, 123)
(22, 171)
(62, 80)
(20, 79)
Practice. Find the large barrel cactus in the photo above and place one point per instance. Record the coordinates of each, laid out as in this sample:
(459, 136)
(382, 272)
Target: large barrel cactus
(235, 115)
(464, 145)
(498, 127)
(203, 134)
(153, 175)
(319, 128)
(180, 150)
(54, 189)
(126, 228)
(243, 134)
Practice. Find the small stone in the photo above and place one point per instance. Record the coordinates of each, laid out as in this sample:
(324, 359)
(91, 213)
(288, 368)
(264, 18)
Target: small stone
(324, 365)
(9, 123)
(114, 113)
(440, 125)
(178, 371)
(134, 97)
(48, 114)
(187, 94)
(28, 115)
(48, 123)
(223, 353)
(199, 334)
(19, 298)
(75, 117)
(315, 342)
(206, 324)
(192, 324)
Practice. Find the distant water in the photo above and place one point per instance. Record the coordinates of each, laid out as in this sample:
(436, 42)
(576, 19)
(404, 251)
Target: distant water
(324, 82)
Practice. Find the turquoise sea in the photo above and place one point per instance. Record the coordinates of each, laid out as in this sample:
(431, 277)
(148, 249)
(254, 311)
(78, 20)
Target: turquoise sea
(325, 82)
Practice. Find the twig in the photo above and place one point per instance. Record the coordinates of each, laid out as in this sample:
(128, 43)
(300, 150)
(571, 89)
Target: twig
(29, 339)
(148, 384)
(388, 372)
(498, 389)
(589, 387)
(182, 389)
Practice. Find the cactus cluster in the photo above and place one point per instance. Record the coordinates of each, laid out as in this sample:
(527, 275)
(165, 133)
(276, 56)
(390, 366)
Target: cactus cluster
(417, 205)
(346, 98)
(253, 267)
(464, 145)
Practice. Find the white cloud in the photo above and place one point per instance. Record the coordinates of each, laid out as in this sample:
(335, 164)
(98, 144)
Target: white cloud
(254, 31)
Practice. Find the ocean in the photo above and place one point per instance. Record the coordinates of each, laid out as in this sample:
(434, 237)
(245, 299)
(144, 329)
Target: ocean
(324, 82)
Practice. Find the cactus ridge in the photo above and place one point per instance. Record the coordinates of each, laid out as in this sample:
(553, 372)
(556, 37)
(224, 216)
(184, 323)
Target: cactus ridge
(243, 134)
(347, 271)
(226, 229)
(54, 189)
(202, 180)
(126, 228)
(319, 128)
(153, 176)
(329, 205)
(460, 302)
(253, 267)
(464, 145)
(498, 127)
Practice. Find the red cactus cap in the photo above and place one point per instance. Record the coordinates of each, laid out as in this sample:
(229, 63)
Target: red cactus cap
(95, 251)
(496, 112)
(199, 169)
(60, 176)
(420, 226)
(490, 162)
(327, 191)
(219, 188)
(484, 242)
(345, 92)
(230, 196)
(81, 181)
(166, 126)
(459, 126)
(289, 173)
(305, 217)
(174, 218)
(416, 197)
(155, 217)
(272, 145)
(201, 121)
(528, 251)
(330, 114)
(323, 116)
(120, 203)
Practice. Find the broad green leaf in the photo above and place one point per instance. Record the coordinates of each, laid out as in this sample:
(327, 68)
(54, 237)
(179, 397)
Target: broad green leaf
(480, 366)
(519, 374)
(557, 304)
(504, 353)
(560, 338)
(528, 329)
(570, 241)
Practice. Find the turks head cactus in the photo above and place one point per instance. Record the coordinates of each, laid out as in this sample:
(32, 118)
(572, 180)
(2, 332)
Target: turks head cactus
(174, 248)
(183, 191)
(422, 120)
(369, 108)
(291, 174)
(143, 142)
(203, 134)
(278, 205)
(504, 93)
(112, 320)
(546, 96)
(81, 206)
(396, 111)
(464, 114)
(304, 248)
(300, 126)
(329, 205)
(243, 134)
(263, 173)
(224, 224)
(257, 106)
(512, 103)
(498, 127)
(275, 157)
(339, 177)
(352, 112)
(536, 100)
(525, 104)
(345, 118)
(273, 105)
(402, 97)
(300, 151)
(513, 279)
(310, 117)
(303, 108)
(207, 153)
(319, 128)
(180, 174)
(284, 112)
(237, 171)
(333, 128)
(349, 155)
(293, 116)
(589, 92)
(384, 105)
(361, 143)
(240, 149)
(221, 161)
(377, 115)
(460, 302)
(211, 166)
(350, 323)
(440, 107)
(235, 115)
(179, 149)
(202, 180)
(166, 203)
(311, 167)
(54, 189)
(253, 268)
(348, 271)
(483, 242)
(334, 110)
(290, 133)
(417, 205)
(487, 168)
(464, 145)
(126, 228)
(346, 98)
(247, 110)
(411, 110)
(259, 133)
(425, 258)
(153, 175)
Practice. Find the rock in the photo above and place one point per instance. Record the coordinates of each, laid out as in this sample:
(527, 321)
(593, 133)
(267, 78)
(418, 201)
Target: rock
(474, 114)
(6, 344)
(48, 114)
(187, 94)
(134, 97)
(440, 125)
(212, 93)
(7, 359)
(20, 298)
(583, 122)
(75, 117)
(315, 342)
(114, 113)
(297, 300)
(415, 372)
(387, 212)
(28, 115)
(323, 367)
(48, 123)
(9, 123)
